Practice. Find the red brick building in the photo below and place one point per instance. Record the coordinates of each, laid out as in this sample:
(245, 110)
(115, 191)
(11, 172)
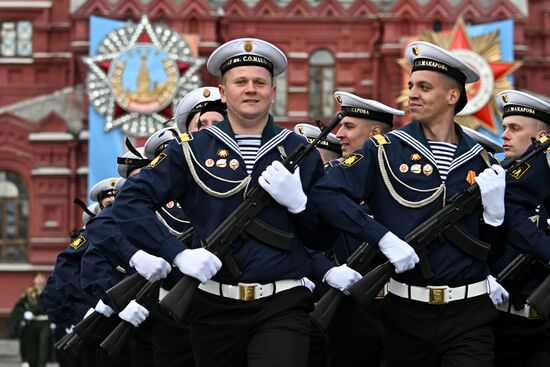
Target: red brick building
(349, 45)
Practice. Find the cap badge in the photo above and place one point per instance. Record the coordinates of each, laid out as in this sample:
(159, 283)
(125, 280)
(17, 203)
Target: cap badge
(209, 163)
(416, 168)
(206, 93)
(223, 153)
(222, 163)
(403, 168)
(415, 50)
(248, 46)
(470, 177)
(113, 183)
(339, 99)
(427, 169)
(415, 157)
(505, 98)
(301, 130)
(234, 164)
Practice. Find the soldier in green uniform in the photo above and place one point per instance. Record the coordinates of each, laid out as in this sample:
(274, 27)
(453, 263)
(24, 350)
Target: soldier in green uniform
(33, 325)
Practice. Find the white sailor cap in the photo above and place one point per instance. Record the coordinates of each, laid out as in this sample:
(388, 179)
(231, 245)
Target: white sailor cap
(247, 51)
(427, 56)
(483, 140)
(311, 132)
(103, 188)
(513, 102)
(130, 161)
(92, 208)
(193, 102)
(158, 141)
(368, 109)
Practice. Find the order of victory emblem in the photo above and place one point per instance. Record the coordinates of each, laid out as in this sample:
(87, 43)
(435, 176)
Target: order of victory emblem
(139, 74)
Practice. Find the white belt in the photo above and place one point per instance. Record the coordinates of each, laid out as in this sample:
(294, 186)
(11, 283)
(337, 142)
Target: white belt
(437, 295)
(527, 311)
(162, 292)
(249, 291)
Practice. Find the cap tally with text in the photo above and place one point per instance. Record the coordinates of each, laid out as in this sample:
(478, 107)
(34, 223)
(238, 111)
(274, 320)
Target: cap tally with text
(487, 143)
(513, 102)
(192, 103)
(130, 161)
(368, 109)
(310, 132)
(245, 52)
(158, 141)
(102, 187)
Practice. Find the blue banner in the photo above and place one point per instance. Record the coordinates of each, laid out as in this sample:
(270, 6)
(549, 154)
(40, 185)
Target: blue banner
(103, 147)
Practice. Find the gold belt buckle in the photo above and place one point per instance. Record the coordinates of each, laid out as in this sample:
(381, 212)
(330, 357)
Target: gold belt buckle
(246, 292)
(382, 292)
(437, 295)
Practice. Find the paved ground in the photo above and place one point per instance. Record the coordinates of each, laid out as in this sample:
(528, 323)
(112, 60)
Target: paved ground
(9, 354)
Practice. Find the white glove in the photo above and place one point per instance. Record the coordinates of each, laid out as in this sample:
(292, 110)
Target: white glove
(341, 277)
(497, 293)
(88, 313)
(69, 329)
(198, 263)
(399, 252)
(52, 326)
(284, 187)
(103, 309)
(151, 267)
(28, 315)
(492, 184)
(134, 313)
(308, 284)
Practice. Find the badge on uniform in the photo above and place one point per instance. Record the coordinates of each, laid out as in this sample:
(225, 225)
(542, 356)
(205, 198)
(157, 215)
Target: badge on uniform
(223, 153)
(415, 157)
(209, 163)
(416, 168)
(184, 137)
(351, 159)
(470, 177)
(520, 171)
(78, 242)
(234, 164)
(222, 163)
(403, 168)
(170, 205)
(427, 169)
(157, 160)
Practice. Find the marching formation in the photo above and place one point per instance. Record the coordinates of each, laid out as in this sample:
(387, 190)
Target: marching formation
(230, 241)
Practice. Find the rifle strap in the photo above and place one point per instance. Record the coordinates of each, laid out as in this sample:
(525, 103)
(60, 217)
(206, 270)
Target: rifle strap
(466, 242)
(191, 161)
(437, 191)
(269, 234)
(485, 156)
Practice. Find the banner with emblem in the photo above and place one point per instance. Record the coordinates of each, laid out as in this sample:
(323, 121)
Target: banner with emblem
(489, 48)
(137, 73)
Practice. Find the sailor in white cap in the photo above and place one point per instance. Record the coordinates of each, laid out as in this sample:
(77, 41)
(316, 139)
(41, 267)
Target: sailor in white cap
(364, 118)
(404, 176)
(523, 117)
(521, 334)
(329, 148)
(131, 162)
(199, 108)
(104, 192)
(158, 141)
(208, 172)
(91, 209)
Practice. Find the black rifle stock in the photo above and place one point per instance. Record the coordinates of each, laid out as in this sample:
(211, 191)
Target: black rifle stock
(422, 236)
(219, 242)
(115, 341)
(326, 307)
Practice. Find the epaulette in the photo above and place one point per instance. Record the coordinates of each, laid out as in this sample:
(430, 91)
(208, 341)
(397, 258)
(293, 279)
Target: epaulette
(78, 242)
(184, 137)
(380, 139)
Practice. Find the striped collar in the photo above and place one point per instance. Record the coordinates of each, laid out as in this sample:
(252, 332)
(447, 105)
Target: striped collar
(413, 135)
(271, 136)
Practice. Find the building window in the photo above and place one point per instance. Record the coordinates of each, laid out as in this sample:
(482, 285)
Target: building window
(279, 107)
(14, 215)
(16, 39)
(321, 84)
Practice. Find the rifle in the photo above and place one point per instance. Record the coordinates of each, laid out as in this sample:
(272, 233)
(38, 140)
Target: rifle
(219, 242)
(86, 331)
(437, 226)
(360, 261)
(116, 340)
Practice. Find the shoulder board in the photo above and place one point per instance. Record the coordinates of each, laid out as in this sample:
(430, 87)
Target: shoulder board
(78, 242)
(184, 137)
(351, 159)
(380, 139)
(157, 160)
